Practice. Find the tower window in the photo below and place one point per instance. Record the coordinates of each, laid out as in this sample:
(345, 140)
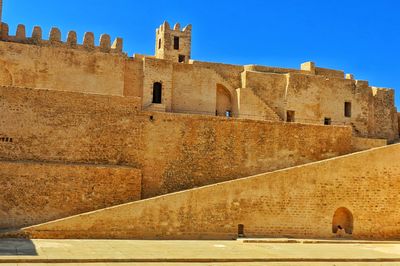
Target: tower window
(327, 121)
(157, 92)
(347, 109)
(176, 43)
(181, 58)
(159, 43)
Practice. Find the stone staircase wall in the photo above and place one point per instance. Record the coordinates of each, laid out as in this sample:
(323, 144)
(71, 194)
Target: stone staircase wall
(296, 202)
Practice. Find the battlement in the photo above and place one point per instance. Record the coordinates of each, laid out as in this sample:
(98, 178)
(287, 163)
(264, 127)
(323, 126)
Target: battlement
(383, 92)
(55, 39)
(174, 43)
(331, 73)
(177, 28)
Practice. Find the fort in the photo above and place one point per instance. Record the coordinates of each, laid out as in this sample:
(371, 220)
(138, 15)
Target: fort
(95, 143)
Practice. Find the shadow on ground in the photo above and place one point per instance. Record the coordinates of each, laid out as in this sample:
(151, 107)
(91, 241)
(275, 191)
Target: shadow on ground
(17, 247)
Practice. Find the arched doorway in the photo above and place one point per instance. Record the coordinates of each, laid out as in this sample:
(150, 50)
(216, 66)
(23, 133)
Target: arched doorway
(224, 101)
(157, 92)
(342, 221)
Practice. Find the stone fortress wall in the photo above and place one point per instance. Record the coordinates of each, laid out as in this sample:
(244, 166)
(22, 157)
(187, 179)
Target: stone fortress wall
(37, 63)
(33, 192)
(308, 201)
(163, 119)
(310, 95)
(173, 152)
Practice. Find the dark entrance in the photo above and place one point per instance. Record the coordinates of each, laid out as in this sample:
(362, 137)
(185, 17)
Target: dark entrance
(240, 230)
(327, 121)
(342, 221)
(157, 92)
(290, 116)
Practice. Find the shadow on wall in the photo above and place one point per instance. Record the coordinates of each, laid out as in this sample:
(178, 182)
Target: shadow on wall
(17, 247)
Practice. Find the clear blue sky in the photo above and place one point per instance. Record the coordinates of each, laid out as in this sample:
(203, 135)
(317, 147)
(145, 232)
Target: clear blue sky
(360, 37)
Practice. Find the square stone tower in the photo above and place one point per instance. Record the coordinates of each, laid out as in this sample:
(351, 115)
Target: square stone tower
(174, 44)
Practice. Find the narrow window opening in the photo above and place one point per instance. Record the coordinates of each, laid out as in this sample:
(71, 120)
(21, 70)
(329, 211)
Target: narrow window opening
(240, 230)
(176, 43)
(327, 121)
(290, 116)
(228, 113)
(6, 139)
(157, 92)
(159, 43)
(181, 58)
(347, 109)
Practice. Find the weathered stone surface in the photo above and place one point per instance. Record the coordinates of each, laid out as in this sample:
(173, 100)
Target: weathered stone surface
(55, 36)
(72, 39)
(88, 104)
(21, 33)
(37, 34)
(312, 94)
(296, 202)
(173, 151)
(117, 45)
(63, 69)
(88, 40)
(362, 144)
(34, 192)
(105, 43)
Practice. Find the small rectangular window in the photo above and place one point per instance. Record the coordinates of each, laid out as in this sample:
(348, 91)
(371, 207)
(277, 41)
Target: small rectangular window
(176, 43)
(327, 121)
(347, 109)
(159, 44)
(181, 58)
(290, 116)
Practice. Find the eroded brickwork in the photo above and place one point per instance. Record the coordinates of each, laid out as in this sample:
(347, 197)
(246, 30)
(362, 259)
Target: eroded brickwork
(173, 151)
(65, 104)
(33, 193)
(314, 95)
(296, 202)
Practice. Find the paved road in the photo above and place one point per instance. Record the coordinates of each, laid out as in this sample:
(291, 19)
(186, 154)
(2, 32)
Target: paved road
(108, 252)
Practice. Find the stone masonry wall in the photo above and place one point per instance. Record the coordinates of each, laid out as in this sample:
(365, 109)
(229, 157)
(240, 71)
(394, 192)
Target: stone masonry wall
(173, 151)
(61, 68)
(186, 151)
(32, 193)
(269, 87)
(386, 123)
(69, 127)
(192, 92)
(315, 98)
(297, 202)
(398, 119)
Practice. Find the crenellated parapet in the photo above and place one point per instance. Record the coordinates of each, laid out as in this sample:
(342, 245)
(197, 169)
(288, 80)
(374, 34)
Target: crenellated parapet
(55, 40)
(174, 43)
